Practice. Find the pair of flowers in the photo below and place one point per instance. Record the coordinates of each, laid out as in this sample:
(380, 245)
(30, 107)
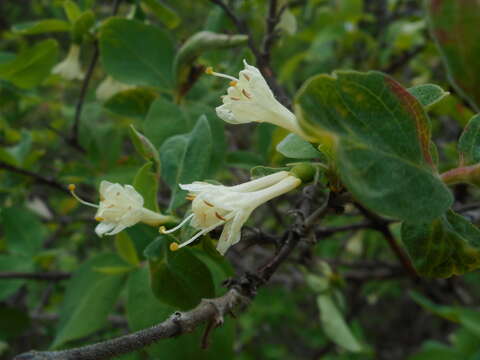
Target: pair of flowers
(248, 99)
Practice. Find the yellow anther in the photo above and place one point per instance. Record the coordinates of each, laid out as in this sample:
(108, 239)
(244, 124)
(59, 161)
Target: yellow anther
(233, 83)
(209, 70)
(174, 246)
(99, 218)
(71, 187)
(162, 229)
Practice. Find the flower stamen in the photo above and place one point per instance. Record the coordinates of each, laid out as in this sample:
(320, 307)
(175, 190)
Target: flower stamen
(72, 187)
(207, 203)
(209, 71)
(200, 233)
(163, 230)
(233, 83)
(219, 216)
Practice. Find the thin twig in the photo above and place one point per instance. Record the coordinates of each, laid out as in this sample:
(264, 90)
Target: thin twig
(73, 139)
(36, 177)
(46, 276)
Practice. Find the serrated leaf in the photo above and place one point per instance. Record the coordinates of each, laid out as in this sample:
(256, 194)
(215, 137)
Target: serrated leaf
(454, 25)
(335, 326)
(89, 298)
(293, 146)
(165, 14)
(186, 158)
(145, 310)
(147, 62)
(41, 26)
(178, 278)
(449, 245)
(428, 94)
(144, 147)
(146, 183)
(469, 142)
(126, 248)
(381, 138)
(132, 103)
(32, 65)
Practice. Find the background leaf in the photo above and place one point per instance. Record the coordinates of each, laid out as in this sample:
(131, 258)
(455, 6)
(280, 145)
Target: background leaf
(89, 298)
(469, 142)
(178, 278)
(146, 62)
(454, 24)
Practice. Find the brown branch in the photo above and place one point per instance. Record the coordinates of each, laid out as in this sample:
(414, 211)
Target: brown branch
(73, 138)
(47, 276)
(177, 324)
(381, 226)
(36, 177)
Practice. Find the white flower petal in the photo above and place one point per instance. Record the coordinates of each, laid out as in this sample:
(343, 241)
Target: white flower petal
(103, 227)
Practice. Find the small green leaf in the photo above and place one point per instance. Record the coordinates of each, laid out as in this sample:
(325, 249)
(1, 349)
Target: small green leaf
(438, 351)
(89, 298)
(381, 141)
(72, 10)
(178, 278)
(32, 65)
(293, 146)
(126, 248)
(147, 62)
(165, 14)
(144, 147)
(334, 325)
(132, 103)
(146, 183)
(164, 119)
(449, 245)
(450, 21)
(469, 142)
(41, 26)
(82, 25)
(428, 94)
(186, 158)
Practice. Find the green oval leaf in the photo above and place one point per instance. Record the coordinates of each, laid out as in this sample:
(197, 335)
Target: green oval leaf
(145, 62)
(32, 65)
(293, 146)
(89, 298)
(178, 278)
(381, 138)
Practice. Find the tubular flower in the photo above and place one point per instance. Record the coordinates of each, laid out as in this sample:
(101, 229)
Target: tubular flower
(110, 87)
(249, 98)
(230, 206)
(70, 67)
(120, 207)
